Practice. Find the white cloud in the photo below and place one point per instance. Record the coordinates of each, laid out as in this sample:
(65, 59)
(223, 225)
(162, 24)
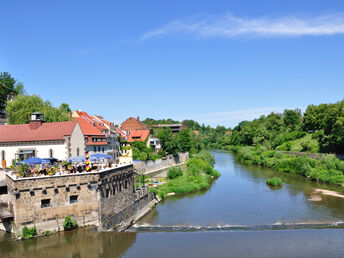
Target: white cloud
(229, 26)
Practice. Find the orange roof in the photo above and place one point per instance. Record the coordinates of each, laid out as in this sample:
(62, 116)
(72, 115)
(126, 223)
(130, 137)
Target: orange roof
(133, 124)
(94, 121)
(44, 132)
(87, 127)
(138, 135)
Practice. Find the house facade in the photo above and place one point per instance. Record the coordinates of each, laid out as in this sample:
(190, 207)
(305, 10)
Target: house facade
(100, 135)
(61, 140)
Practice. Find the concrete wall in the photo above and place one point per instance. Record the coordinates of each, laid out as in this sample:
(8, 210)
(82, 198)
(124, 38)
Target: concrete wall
(151, 165)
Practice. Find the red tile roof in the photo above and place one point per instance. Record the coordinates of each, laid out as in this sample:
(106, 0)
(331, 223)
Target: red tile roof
(140, 134)
(133, 124)
(87, 127)
(45, 132)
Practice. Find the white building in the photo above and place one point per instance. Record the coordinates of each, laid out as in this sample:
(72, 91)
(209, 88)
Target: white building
(60, 140)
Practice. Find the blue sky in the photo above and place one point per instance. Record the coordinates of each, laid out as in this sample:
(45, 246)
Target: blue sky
(218, 62)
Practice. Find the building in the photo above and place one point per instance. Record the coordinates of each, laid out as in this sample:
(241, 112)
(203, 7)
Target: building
(132, 124)
(100, 135)
(107, 199)
(60, 140)
(175, 128)
(155, 144)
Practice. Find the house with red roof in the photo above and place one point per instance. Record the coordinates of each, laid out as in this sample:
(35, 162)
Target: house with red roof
(100, 135)
(135, 130)
(60, 140)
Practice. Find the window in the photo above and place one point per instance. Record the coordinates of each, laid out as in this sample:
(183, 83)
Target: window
(103, 149)
(73, 199)
(95, 149)
(3, 190)
(107, 193)
(2, 155)
(77, 151)
(125, 184)
(45, 203)
(120, 187)
(51, 153)
(98, 149)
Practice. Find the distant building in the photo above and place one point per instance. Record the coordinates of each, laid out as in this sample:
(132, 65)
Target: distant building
(229, 132)
(155, 144)
(175, 128)
(196, 132)
(132, 124)
(100, 135)
(60, 140)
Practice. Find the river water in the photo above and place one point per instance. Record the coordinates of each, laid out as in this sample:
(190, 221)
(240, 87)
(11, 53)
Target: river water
(238, 216)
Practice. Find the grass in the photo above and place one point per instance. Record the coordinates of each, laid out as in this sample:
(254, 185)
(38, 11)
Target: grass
(304, 144)
(196, 176)
(28, 233)
(326, 169)
(275, 181)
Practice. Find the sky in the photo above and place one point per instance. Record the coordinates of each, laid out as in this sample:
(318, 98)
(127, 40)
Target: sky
(218, 62)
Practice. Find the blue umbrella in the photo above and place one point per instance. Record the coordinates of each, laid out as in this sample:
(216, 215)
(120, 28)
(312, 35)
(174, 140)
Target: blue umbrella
(35, 161)
(77, 159)
(99, 156)
(93, 158)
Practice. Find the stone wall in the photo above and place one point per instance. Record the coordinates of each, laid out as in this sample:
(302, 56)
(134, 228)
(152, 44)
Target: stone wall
(151, 165)
(97, 199)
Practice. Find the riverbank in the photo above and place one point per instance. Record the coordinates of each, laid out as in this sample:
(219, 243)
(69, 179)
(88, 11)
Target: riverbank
(196, 176)
(326, 169)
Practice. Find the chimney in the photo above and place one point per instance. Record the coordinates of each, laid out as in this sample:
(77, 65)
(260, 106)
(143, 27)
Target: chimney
(36, 120)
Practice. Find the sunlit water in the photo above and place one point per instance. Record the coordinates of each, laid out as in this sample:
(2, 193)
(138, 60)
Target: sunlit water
(237, 217)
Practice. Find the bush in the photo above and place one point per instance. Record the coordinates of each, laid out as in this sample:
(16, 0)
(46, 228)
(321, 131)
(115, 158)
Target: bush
(28, 233)
(174, 172)
(69, 223)
(275, 181)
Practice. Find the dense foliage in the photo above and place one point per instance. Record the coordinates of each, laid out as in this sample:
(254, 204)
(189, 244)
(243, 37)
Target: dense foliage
(196, 176)
(142, 152)
(9, 88)
(174, 172)
(320, 128)
(19, 110)
(28, 233)
(69, 224)
(326, 168)
(275, 181)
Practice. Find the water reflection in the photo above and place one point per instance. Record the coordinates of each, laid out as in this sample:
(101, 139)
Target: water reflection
(78, 243)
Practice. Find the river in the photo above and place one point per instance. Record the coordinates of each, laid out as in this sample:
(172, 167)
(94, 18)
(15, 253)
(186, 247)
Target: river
(238, 216)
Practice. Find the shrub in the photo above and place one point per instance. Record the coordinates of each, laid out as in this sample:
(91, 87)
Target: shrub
(275, 181)
(69, 223)
(28, 233)
(174, 172)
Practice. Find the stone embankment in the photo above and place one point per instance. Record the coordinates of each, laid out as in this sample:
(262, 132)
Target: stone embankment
(105, 199)
(154, 166)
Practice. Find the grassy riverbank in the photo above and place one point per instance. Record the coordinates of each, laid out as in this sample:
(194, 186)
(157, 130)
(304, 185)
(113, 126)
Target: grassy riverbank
(327, 169)
(197, 175)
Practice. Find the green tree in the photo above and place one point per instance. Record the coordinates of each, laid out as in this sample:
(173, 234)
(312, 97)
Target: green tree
(9, 87)
(169, 142)
(20, 108)
(185, 140)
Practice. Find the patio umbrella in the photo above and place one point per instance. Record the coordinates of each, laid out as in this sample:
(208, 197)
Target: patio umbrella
(35, 161)
(77, 159)
(99, 156)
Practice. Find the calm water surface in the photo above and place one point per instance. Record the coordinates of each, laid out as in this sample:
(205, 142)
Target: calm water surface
(239, 198)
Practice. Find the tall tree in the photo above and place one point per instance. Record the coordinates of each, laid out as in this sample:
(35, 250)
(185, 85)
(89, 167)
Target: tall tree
(9, 87)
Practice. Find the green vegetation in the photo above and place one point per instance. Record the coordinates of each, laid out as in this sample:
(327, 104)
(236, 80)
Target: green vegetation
(28, 233)
(69, 224)
(20, 108)
(174, 172)
(196, 176)
(142, 152)
(326, 168)
(9, 88)
(275, 181)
